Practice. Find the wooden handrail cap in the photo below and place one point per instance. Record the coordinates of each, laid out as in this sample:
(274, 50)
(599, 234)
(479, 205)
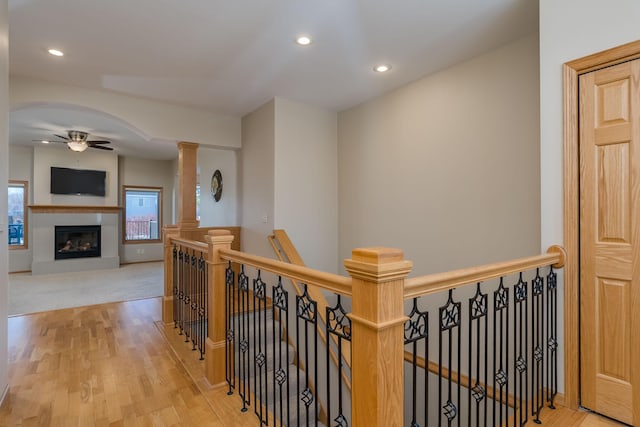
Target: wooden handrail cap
(377, 264)
(219, 237)
(188, 145)
(377, 255)
(557, 249)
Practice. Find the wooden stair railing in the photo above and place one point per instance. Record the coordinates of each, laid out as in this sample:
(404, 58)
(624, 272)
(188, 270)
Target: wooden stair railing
(533, 332)
(440, 282)
(375, 322)
(286, 252)
(378, 289)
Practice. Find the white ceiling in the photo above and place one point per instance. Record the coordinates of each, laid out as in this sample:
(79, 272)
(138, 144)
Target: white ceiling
(231, 56)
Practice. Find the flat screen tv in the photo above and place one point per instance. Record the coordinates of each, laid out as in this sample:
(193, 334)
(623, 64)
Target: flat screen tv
(78, 181)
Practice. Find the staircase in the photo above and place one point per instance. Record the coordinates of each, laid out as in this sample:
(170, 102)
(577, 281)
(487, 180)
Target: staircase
(487, 334)
(268, 376)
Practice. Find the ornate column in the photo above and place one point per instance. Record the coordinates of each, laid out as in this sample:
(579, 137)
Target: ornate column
(187, 181)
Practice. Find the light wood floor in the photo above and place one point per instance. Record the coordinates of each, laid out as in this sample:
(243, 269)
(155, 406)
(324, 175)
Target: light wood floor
(109, 365)
(563, 417)
(105, 365)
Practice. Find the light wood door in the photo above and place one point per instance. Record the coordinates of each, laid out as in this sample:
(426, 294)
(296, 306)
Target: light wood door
(610, 241)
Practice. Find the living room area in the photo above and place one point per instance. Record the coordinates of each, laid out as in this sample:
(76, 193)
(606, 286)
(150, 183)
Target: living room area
(86, 227)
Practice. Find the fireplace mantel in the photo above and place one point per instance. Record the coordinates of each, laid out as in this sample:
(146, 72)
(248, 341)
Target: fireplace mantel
(74, 209)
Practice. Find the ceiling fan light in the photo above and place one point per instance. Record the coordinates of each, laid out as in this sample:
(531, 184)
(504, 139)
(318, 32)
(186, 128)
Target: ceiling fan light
(77, 146)
(78, 135)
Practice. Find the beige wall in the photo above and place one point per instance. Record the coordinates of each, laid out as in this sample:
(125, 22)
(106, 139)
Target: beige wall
(288, 174)
(21, 168)
(571, 29)
(257, 180)
(4, 156)
(447, 167)
(45, 157)
(306, 181)
(145, 173)
(225, 211)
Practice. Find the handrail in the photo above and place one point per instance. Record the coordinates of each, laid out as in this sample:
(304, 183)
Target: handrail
(432, 283)
(191, 244)
(331, 282)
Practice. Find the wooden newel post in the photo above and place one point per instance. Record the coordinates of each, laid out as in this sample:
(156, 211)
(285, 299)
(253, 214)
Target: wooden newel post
(215, 345)
(377, 338)
(169, 231)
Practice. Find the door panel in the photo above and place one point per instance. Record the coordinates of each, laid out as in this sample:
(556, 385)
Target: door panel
(613, 193)
(610, 241)
(614, 328)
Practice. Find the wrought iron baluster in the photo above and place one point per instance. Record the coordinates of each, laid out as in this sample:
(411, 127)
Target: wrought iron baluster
(552, 336)
(193, 306)
(449, 316)
(500, 354)
(259, 345)
(520, 350)
(281, 363)
(203, 305)
(538, 353)
(180, 289)
(306, 311)
(478, 306)
(230, 310)
(175, 285)
(416, 329)
(187, 294)
(243, 341)
(339, 325)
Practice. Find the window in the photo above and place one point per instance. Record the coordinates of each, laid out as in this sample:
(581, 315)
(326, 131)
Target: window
(142, 214)
(17, 207)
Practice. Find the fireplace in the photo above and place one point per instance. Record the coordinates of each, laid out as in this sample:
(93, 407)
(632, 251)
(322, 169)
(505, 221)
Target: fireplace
(77, 241)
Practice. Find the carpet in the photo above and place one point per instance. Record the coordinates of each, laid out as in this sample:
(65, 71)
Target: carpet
(32, 294)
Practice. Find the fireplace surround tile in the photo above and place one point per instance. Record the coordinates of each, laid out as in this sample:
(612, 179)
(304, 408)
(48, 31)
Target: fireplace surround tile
(43, 235)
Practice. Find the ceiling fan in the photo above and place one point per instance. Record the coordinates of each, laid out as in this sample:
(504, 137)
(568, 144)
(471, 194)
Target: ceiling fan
(78, 141)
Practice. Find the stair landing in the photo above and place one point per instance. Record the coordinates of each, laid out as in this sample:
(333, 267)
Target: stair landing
(565, 417)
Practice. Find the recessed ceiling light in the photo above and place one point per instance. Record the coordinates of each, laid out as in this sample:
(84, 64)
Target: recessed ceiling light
(303, 40)
(382, 68)
(55, 52)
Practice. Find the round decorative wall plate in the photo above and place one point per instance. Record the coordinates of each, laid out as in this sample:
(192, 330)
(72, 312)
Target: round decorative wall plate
(216, 185)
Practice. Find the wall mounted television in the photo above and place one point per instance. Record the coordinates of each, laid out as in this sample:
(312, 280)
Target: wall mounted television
(78, 181)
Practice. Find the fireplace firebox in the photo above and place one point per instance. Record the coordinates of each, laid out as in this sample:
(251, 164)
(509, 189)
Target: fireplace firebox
(77, 241)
